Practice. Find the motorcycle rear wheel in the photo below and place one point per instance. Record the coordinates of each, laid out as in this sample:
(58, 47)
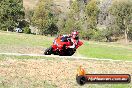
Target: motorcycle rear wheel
(67, 52)
(70, 52)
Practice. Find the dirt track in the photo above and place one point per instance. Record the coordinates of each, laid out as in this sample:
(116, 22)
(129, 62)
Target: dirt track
(60, 72)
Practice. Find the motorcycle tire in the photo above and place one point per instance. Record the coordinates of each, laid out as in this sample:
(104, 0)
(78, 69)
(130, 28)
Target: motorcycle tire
(48, 51)
(70, 52)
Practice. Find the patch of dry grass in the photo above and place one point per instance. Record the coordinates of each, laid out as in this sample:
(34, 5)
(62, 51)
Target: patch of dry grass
(30, 4)
(28, 73)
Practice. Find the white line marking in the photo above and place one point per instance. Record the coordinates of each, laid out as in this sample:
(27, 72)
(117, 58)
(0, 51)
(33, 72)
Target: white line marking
(55, 56)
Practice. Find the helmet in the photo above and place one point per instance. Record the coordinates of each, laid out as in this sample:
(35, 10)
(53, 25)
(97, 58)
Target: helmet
(75, 34)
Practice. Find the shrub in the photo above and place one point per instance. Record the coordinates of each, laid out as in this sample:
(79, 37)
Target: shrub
(27, 30)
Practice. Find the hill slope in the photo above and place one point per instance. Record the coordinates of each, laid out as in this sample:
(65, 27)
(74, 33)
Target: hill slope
(62, 4)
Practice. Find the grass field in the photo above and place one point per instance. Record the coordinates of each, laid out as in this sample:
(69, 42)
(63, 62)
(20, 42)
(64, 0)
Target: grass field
(22, 43)
(106, 50)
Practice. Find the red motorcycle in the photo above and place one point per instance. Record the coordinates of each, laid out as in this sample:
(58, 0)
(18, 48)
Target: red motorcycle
(61, 46)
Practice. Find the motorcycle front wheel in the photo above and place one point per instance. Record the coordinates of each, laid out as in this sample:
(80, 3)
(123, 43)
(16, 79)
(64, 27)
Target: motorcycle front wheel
(48, 51)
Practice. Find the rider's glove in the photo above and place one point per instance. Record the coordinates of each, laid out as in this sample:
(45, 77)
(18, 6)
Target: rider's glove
(73, 46)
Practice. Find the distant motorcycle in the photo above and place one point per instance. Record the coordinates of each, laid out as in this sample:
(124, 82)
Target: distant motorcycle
(61, 47)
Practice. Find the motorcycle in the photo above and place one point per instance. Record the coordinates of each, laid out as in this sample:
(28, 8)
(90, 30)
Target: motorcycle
(61, 46)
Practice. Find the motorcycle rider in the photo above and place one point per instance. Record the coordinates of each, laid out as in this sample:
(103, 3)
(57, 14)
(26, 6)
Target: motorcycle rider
(75, 35)
(74, 38)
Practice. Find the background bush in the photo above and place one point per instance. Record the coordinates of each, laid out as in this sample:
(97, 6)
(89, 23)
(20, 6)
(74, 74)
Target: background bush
(27, 30)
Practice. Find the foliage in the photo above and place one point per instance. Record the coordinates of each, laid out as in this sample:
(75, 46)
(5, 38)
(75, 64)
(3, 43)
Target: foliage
(23, 23)
(29, 14)
(89, 22)
(122, 11)
(52, 29)
(27, 30)
(11, 12)
(130, 32)
(44, 17)
(92, 12)
(82, 17)
(72, 20)
(98, 35)
(40, 16)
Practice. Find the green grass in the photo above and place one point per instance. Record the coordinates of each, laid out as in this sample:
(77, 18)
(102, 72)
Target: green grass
(89, 49)
(24, 40)
(107, 51)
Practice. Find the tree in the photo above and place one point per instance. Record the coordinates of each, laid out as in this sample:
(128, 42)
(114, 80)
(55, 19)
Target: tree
(52, 29)
(29, 15)
(122, 11)
(92, 12)
(40, 16)
(44, 17)
(11, 12)
(72, 21)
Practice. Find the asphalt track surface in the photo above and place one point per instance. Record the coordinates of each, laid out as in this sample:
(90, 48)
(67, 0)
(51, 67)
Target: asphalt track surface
(62, 57)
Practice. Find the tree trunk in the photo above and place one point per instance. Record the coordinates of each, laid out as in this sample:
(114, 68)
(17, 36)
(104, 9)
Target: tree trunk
(125, 33)
(126, 36)
(7, 30)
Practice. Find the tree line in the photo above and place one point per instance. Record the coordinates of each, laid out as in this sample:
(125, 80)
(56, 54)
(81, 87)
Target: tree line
(110, 20)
